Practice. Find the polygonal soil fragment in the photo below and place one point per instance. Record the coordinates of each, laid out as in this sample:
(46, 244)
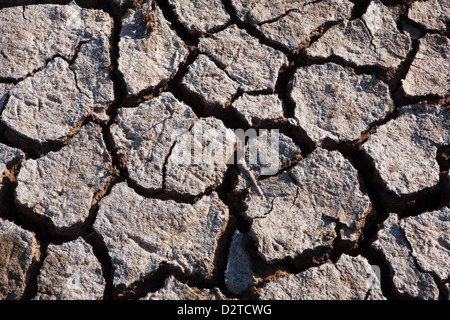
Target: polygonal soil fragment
(142, 233)
(176, 290)
(299, 209)
(429, 71)
(199, 158)
(62, 185)
(200, 16)
(432, 14)
(257, 11)
(70, 272)
(404, 150)
(45, 31)
(350, 278)
(429, 237)
(239, 275)
(256, 109)
(244, 59)
(144, 137)
(372, 39)
(150, 53)
(49, 31)
(296, 25)
(265, 154)
(334, 103)
(91, 69)
(396, 251)
(279, 226)
(211, 84)
(329, 184)
(48, 106)
(19, 252)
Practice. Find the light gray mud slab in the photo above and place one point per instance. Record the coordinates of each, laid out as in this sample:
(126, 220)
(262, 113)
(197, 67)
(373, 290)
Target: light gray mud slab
(48, 106)
(395, 248)
(372, 40)
(141, 233)
(350, 278)
(150, 53)
(295, 25)
(62, 185)
(332, 102)
(432, 14)
(255, 66)
(69, 32)
(209, 82)
(200, 16)
(428, 73)
(265, 155)
(404, 150)
(255, 109)
(145, 135)
(429, 237)
(199, 158)
(70, 272)
(239, 275)
(298, 210)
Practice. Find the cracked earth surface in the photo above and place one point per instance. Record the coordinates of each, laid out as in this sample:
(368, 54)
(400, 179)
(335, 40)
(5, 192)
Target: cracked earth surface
(95, 204)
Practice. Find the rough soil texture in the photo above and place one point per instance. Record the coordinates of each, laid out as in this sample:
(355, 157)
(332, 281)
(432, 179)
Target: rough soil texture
(100, 199)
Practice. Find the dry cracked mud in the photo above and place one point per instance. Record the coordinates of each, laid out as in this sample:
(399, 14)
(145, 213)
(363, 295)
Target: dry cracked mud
(128, 131)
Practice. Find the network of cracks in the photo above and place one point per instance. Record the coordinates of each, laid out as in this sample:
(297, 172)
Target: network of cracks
(92, 192)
